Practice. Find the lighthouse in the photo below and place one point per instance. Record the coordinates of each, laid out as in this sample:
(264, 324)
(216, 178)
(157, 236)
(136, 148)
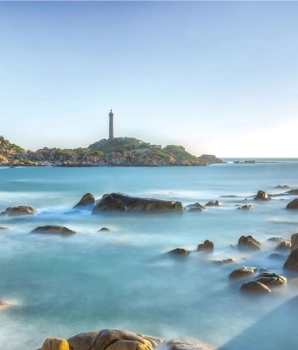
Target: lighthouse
(111, 125)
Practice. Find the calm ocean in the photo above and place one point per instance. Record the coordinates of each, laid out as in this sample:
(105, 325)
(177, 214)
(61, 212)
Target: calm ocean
(123, 279)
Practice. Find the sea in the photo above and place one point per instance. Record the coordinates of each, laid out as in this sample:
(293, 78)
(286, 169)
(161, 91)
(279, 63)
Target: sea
(124, 278)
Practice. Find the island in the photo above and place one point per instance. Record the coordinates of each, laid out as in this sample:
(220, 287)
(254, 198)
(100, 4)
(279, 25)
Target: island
(120, 151)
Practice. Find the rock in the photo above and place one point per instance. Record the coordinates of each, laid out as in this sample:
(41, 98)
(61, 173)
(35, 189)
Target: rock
(262, 196)
(121, 202)
(195, 206)
(108, 203)
(53, 229)
(55, 344)
(3, 228)
(271, 279)
(207, 245)
(241, 272)
(20, 210)
(213, 204)
(249, 242)
(194, 210)
(293, 204)
(110, 339)
(4, 304)
(246, 207)
(225, 261)
(276, 239)
(293, 192)
(281, 186)
(255, 287)
(294, 241)
(178, 344)
(284, 245)
(86, 201)
(179, 251)
(103, 229)
(292, 261)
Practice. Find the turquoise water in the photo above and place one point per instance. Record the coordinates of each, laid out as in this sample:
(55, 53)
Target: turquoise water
(61, 286)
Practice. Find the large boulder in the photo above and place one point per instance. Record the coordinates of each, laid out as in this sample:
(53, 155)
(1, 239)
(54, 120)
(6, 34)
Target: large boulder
(255, 287)
(86, 201)
(111, 339)
(195, 207)
(292, 261)
(108, 203)
(213, 204)
(55, 344)
(242, 272)
(53, 229)
(248, 242)
(262, 196)
(293, 204)
(20, 210)
(284, 245)
(271, 279)
(207, 245)
(294, 241)
(121, 202)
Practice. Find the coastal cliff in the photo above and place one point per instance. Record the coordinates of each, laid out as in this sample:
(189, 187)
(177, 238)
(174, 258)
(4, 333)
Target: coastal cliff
(121, 151)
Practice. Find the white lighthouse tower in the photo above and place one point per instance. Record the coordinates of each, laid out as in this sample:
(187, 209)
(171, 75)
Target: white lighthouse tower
(111, 125)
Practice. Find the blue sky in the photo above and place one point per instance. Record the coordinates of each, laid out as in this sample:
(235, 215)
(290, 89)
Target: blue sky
(216, 77)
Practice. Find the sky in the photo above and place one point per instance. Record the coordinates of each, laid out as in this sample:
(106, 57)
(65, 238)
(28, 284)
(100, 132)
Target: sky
(216, 77)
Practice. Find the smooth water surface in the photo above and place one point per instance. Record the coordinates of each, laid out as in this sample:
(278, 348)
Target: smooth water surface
(61, 286)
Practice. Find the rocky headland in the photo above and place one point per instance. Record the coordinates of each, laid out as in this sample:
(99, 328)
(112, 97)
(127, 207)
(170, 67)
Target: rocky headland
(121, 151)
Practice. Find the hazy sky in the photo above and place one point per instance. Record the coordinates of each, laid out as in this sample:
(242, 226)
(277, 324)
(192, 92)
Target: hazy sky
(217, 77)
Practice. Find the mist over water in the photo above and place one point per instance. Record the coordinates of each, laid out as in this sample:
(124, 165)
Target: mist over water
(61, 286)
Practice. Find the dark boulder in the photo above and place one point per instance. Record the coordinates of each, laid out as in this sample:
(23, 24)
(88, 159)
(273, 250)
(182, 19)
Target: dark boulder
(293, 204)
(179, 251)
(207, 245)
(294, 241)
(18, 211)
(248, 242)
(293, 192)
(292, 261)
(195, 206)
(262, 196)
(194, 210)
(255, 287)
(103, 229)
(108, 203)
(53, 229)
(271, 279)
(242, 272)
(246, 207)
(275, 239)
(284, 245)
(86, 201)
(213, 204)
(225, 261)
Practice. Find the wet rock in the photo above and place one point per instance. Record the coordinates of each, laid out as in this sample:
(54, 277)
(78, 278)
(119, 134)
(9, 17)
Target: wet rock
(18, 211)
(55, 344)
(242, 272)
(4, 304)
(179, 251)
(213, 204)
(255, 287)
(293, 204)
(292, 261)
(246, 207)
(195, 206)
(271, 279)
(53, 229)
(108, 203)
(293, 192)
(3, 228)
(207, 245)
(281, 186)
(284, 245)
(103, 229)
(249, 242)
(110, 339)
(294, 241)
(86, 201)
(225, 261)
(262, 196)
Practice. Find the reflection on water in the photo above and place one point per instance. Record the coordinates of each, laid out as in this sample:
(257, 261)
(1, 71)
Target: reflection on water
(61, 286)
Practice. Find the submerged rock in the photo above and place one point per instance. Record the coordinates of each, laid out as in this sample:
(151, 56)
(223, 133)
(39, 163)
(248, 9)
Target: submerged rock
(207, 245)
(213, 204)
(179, 251)
(111, 339)
(249, 242)
(262, 196)
(103, 229)
(293, 204)
(225, 261)
(242, 272)
(293, 192)
(55, 344)
(195, 206)
(281, 186)
(53, 229)
(182, 344)
(86, 201)
(246, 207)
(255, 287)
(271, 279)
(275, 239)
(3, 228)
(20, 210)
(292, 261)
